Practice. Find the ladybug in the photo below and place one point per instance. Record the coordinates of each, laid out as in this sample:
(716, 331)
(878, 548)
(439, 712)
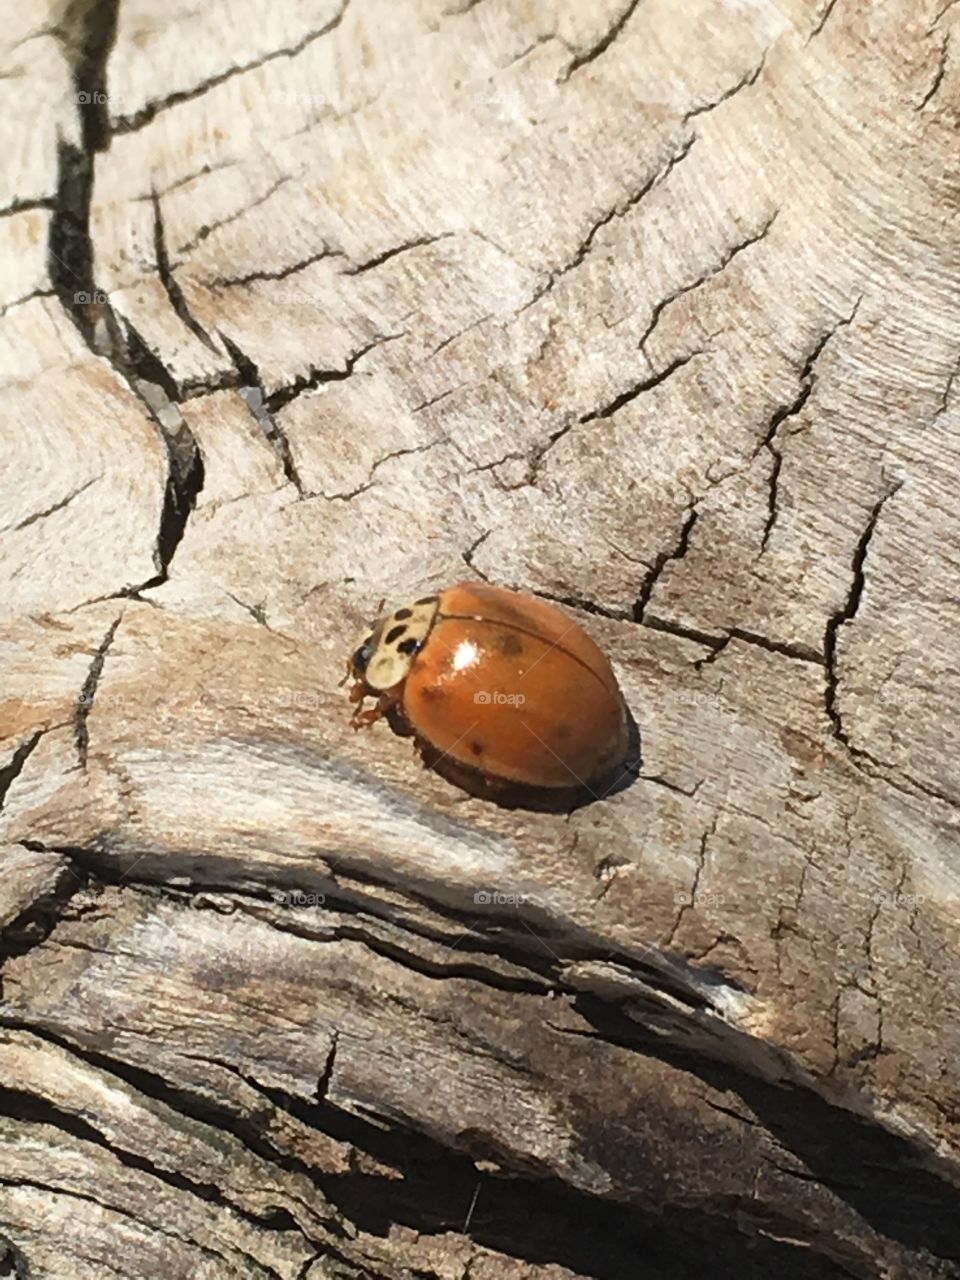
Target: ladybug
(501, 692)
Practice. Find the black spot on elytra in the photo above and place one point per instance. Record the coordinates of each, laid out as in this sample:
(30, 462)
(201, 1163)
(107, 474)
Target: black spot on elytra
(426, 600)
(509, 644)
(562, 731)
(394, 634)
(476, 748)
(408, 646)
(403, 613)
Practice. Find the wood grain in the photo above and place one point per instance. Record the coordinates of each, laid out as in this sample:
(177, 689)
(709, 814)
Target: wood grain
(651, 310)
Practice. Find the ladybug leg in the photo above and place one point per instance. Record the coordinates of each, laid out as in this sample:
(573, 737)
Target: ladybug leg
(364, 718)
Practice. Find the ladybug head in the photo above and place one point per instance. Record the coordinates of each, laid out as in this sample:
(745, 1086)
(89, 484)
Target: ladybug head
(383, 658)
(362, 656)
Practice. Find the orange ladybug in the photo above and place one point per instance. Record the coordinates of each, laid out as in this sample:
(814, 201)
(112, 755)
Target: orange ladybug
(500, 691)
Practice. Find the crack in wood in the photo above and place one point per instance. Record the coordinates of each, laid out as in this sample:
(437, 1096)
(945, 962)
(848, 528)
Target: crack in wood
(70, 266)
(10, 772)
(725, 259)
(317, 377)
(808, 377)
(648, 383)
(89, 691)
(127, 124)
(32, 1108)
(748, 79)
(600, 46)
(207, 229)
(938, 75)
(370, 264)
(171, 285)
(54, 507)
(846, 613)
(822, 20)
(676, 552)
(619, 210)
(256, 402)
(277, 273)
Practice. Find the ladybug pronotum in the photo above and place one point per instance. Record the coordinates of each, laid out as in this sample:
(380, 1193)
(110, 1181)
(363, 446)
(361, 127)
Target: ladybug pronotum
(498, 689)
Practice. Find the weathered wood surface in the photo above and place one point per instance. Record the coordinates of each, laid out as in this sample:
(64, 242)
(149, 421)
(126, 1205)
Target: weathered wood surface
(648, 307)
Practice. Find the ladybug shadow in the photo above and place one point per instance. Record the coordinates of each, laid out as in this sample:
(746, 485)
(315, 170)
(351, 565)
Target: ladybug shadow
(512, 795)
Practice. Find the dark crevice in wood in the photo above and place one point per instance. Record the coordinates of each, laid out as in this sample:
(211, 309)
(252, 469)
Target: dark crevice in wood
(750, 78)
(71, 269)
(277, 273)
(938, 75)
(28, 1108)
(256, 401)
(647, 383)
(54, 506)
(184, 482)
(39, 918)
(349, 494)
(472, 550)
(676, 552)
(606, 40)
(208, 228)
(808, 378)
(171, 284)
(13, 1263)
(379, 259)
(619, 210)
(846, 613)
(638, 388)
(10, 772)
(317, 377)
(204, 1108)
(127, 124)
(27, 206)
(536, 1217)
(587, 606)
(886, 1179)
(799, 652)
(822, 20)
(89, 691)
(725, 259)
(87, 38)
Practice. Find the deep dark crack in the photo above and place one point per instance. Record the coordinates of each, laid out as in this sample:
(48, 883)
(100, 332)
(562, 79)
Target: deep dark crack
(317, 377)
(255, 397)
(10, 772)
(170, 283)
(770, 440)
(71, 268)
(89, 692)
(676, 552)
(126, 124)
(636, 389)
(606, 40)
(846, 613)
